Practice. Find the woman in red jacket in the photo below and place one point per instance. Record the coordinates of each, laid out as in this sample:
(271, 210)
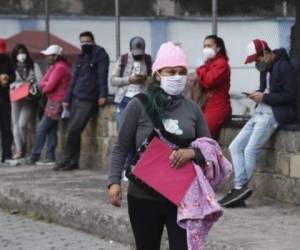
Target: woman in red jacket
(214, 78)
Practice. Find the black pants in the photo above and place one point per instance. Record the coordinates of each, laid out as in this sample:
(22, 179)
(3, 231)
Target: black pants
(148, 218)
(5, 128)
(81, 112)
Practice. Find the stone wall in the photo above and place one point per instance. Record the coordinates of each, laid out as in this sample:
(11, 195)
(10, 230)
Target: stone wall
(278, 168)
(278, 171)
(96, 140)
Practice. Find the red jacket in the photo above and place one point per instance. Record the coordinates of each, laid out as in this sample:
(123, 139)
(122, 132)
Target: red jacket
(55, 82)
(215, 80)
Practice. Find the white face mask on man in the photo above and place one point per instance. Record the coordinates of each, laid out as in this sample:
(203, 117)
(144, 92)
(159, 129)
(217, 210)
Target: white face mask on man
(209, 53)
(21, 57)
(173, 85)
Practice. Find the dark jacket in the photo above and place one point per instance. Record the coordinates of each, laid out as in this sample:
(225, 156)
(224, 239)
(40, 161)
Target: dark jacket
(6, 67)
(89, 81)
(283, 88)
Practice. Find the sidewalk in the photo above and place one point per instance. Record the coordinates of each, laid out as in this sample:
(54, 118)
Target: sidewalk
(78, 200)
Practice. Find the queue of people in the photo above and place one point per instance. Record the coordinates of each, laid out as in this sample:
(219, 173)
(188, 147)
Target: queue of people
(151, 108)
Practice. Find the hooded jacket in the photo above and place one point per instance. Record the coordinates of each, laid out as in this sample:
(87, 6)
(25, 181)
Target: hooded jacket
(283, 87)
(89, 81)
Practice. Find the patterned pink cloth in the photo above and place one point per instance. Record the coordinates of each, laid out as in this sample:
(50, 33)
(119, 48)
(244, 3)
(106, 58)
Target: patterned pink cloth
(199, 208)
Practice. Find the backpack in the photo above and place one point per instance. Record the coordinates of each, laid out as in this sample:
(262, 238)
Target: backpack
(124, 60)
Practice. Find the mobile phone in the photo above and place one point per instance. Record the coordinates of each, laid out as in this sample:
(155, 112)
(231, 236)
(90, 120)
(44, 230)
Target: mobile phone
(245, 93)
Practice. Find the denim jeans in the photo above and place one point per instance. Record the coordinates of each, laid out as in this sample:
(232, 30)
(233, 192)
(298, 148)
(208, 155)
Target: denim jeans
(47, 128)
(121, 106)
(246, 145)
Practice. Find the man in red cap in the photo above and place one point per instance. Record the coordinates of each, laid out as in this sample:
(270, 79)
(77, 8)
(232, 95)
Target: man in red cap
(276, 102)
(7, 75)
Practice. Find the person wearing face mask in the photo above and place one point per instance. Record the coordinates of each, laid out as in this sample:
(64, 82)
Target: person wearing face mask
(7, 76)
(87, 91)
(130, 75)
(276, 105)
(150, 212)
(54, 85)
(23, 110)
(214, 78)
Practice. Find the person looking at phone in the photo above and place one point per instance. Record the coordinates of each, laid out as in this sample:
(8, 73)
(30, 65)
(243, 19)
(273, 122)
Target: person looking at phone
(131, 74)
(276, 102)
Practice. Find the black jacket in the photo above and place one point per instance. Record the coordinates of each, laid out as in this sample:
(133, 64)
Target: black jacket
(6, 67)
(283, 88)
(89, 81)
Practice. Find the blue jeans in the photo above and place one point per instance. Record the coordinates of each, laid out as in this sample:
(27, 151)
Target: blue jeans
(246, 145)
(47, 128)
(121, 106)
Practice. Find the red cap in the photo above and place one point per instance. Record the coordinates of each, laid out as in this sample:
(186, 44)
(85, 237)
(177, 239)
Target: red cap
(2, 46)
(255, 49)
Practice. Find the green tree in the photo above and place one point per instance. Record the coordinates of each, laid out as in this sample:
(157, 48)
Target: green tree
(127, 7)
(32, 7)
(233, 7)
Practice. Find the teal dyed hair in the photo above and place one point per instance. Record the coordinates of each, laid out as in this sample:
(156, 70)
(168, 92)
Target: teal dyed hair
(158, 100)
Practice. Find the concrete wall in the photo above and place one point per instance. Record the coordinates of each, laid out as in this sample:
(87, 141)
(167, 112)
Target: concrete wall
(278, 167)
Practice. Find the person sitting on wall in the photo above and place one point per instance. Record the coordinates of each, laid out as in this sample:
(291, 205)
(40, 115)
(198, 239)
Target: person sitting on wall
(276, 105)
(214, 78)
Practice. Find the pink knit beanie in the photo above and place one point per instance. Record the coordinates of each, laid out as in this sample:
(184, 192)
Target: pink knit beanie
(169, 55)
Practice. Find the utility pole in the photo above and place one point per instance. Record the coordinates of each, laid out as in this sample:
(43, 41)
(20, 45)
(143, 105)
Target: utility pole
(47, 30)
(157, 7)
(118, 39)
(214, 17)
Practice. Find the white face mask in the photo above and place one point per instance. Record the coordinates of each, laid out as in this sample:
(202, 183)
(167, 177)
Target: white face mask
(209, 53)
(173, 85)
(21, 57)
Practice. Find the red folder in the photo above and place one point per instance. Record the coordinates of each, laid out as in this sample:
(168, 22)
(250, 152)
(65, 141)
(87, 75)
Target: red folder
(154, 168)
(20, 92)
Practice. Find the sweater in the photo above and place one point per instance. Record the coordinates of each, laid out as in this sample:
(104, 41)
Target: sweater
(89, 81)
(184, 119)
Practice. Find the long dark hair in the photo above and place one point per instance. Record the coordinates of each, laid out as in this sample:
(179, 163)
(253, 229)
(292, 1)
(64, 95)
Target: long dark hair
(28, 62)
(220, 43)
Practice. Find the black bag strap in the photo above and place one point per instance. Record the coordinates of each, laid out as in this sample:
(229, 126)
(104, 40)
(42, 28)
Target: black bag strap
(157, 123)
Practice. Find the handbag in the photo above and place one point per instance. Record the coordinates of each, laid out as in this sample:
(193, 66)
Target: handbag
(34, 91)
(20, 92)
(194, 91)
(53, 109)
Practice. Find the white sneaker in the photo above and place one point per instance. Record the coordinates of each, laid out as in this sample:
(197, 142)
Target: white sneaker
(11, 162)
(45, 163)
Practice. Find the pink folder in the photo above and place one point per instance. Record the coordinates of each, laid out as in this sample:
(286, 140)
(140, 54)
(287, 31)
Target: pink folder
(154, 169)
(20, 92)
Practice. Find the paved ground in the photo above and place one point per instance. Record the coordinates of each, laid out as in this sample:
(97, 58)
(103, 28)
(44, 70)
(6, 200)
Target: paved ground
(78, 200)
(19, 233)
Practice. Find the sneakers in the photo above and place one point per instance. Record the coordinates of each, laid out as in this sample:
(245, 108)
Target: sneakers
(11, 162)
(70, 167)
(18, 155)
(235, 197)
(45, 163)
(31, 161)
(59, 166)
(62, 166)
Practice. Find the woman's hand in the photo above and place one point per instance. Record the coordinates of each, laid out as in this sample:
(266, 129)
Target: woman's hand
(181, 156)
(115, 194)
